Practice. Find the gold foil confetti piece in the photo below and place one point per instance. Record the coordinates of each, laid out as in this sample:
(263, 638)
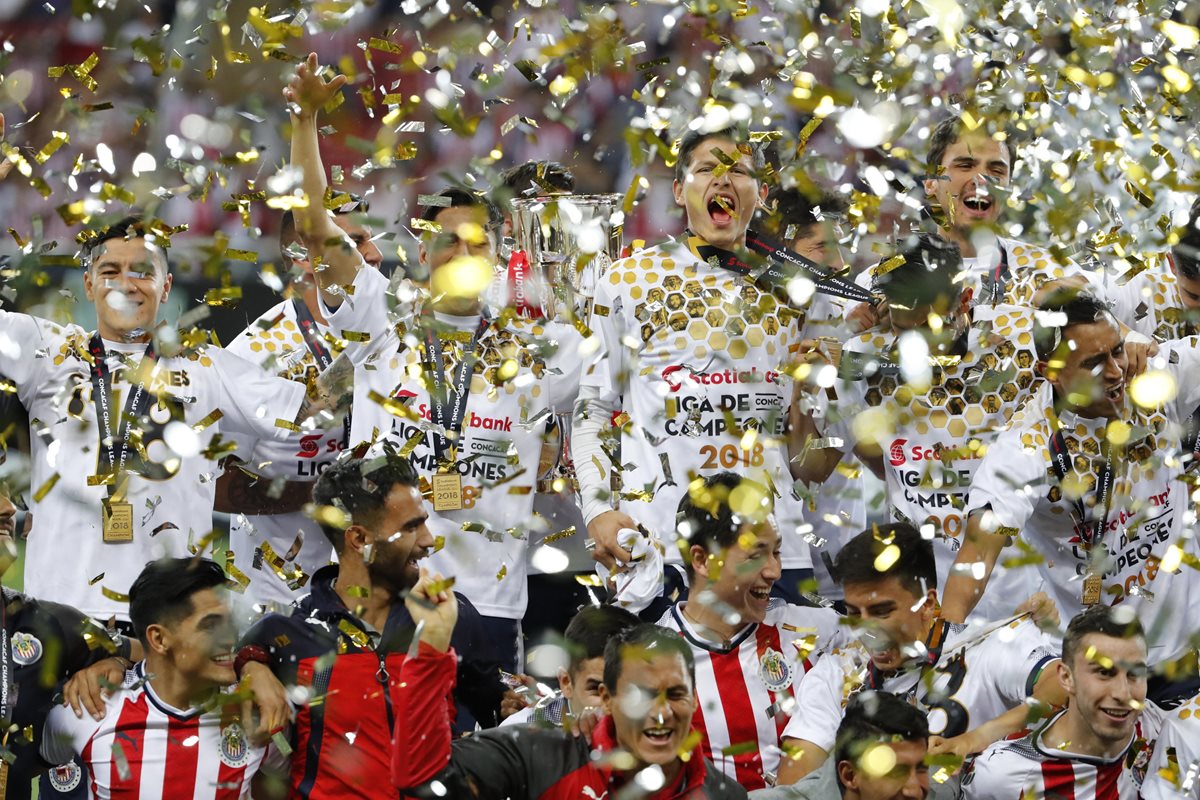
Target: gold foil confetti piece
(502, 573)
(45, 488)
(287, 425)
(96, 579)
(354, 634)
(393, 406)
(565, 533)
(57, 140)
(209, 419)
(114, 596)
(239, 578)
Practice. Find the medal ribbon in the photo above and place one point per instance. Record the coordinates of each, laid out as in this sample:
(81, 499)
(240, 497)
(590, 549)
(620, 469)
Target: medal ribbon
(448, 404)
(5, 659)
(112, 455)
(780, 267)
(1089, 532)
(320, 353)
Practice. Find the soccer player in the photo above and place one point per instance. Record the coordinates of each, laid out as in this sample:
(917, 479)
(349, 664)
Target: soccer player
(273, 543)
(122, 462)
(974, 686)
(1084, 476)
(342, 647)
(687, 372)
(1109, 742)
(1163, 301)
(751, 649)
(648, 697)
(921, 400)
(579, 684)
(470, 393)
(836, 508)
(169, 731)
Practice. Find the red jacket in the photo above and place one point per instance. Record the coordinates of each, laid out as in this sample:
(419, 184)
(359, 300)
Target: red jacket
(517, 762)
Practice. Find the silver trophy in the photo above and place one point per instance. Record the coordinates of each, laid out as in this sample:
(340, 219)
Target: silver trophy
(570, 240)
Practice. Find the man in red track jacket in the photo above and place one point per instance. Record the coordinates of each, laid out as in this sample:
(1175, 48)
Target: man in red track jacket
(649, 701)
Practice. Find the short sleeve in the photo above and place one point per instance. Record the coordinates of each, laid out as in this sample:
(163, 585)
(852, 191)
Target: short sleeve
(604, 368)
(1003, 480)
(252, 400)
(61, 734)
(1014, 658)
(819, 703)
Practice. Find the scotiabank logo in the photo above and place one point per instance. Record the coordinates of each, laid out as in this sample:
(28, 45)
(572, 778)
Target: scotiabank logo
(679, 374)
(404, 394)
(896, 452)
(475, 420)
(310, 445)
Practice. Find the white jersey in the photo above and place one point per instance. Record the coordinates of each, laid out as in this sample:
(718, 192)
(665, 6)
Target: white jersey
(1154, 766)
(693, 355)
(201, 395)
(1149, 303)
(275, 342)
(501, 440)
(933, 438)
(1018, 484)
(147, 749)
(746, 687)
(974, 678)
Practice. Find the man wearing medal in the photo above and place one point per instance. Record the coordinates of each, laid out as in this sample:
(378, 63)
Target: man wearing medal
(125, 426)
(466, 392)
(275, 547)
(1087, 474)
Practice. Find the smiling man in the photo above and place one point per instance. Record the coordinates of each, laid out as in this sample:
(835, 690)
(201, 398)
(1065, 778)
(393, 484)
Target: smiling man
(689, 361)
(166, 732)
(751, 649)
(1085, 477)
(638, 748)
(122, 462)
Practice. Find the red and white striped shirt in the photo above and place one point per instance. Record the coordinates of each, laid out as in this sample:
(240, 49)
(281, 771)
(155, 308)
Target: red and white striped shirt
(746, 686)
(144, 749)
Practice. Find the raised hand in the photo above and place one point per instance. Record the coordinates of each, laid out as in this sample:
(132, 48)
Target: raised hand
(307, 92)
(434, 608)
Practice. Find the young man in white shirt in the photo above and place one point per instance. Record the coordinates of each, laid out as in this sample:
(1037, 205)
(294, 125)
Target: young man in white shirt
(973, 685)
(127, 419)
(274, 545)
(752, 650)
(1109, 741)
(687, 374)
(170, 731)
(1087, 478)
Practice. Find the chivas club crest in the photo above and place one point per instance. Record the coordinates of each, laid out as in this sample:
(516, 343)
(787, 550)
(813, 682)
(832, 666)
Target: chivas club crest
(775, 671)
(66, 777)
(235, 750)
(26, 649)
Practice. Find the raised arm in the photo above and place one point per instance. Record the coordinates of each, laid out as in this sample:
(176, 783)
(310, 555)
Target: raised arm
(971, 570)
(335, 259)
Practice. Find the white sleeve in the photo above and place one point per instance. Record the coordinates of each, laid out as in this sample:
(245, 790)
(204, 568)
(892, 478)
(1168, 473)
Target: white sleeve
(1182, 358)
(566, 363)
(1014, 658)
(252, 400)
(605, 368)
(21, 337)
(365, 316)
(1176, 753)
(61, 733)
(1004, 479)
(592, 464)
(819, 707)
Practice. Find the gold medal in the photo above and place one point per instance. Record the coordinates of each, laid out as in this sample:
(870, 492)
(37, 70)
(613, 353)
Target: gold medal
(1091, 589)
(116, 521)
(447, 492)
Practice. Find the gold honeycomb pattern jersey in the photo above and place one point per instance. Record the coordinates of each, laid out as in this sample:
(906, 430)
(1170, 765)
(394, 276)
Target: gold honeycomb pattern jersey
(1150, 304)
(694, 355)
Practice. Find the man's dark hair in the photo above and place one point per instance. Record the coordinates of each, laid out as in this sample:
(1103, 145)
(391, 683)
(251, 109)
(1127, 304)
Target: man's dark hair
(590, 630)
(162, 593)
(1101, 619)
(927, 273)
(795, 211)
(1078, 308)
(644, 641)
(693, 139)
(461, 197)
(914, 564)
(537, 178)
(355, 204)
(1186, 252)
(131, 227)
(874, 717)
(704, 516)
(950, 129)
(360, 487)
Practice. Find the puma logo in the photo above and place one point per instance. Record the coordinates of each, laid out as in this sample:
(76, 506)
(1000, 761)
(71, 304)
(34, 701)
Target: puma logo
(590, 792)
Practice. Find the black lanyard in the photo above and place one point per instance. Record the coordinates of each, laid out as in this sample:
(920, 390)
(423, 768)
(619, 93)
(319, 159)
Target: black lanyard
(320, 353)
(448, 404)
(996, 283)
(5, 658)
(780, 267)
(115, 445)
(1093, 532)
(856, 366)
